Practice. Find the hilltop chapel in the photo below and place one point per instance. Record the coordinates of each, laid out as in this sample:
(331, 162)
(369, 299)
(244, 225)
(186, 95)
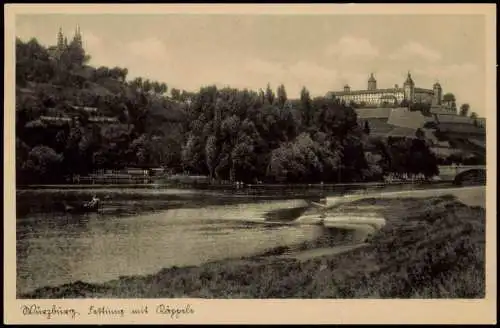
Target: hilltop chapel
(62, 42)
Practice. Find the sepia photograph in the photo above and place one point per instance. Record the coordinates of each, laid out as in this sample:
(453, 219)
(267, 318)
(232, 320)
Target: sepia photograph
(248, 156)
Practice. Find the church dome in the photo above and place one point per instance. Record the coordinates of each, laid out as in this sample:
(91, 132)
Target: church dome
(372, 78)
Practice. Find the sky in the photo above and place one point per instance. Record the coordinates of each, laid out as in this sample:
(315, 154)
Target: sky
(321, 52)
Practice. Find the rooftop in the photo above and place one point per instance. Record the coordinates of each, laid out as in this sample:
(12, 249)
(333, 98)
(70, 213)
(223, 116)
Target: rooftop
(423, 90)
(375, 91)
(359, 92)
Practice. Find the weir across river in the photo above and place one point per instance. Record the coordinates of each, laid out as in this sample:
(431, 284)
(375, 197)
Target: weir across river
(451, 172)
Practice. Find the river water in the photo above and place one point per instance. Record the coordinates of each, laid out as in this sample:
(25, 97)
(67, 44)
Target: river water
(54, 247)
(140, 232)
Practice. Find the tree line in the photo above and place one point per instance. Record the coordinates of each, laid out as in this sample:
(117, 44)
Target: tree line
(224, 133)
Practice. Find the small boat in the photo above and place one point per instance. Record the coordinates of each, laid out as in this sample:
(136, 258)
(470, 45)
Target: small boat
(82, 208)
(318, 204)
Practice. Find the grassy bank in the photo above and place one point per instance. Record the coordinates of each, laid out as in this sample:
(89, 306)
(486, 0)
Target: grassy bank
(429, 248)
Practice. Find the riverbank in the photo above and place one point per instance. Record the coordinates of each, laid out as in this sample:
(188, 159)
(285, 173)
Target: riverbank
(232, 187)
(429, 248)
(133, 201)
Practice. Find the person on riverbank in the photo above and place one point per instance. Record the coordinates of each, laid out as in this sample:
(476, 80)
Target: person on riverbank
(94, 202)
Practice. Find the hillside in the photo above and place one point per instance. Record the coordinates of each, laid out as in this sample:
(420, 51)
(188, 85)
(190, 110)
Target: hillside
(119, 121)
(103, 95)
(462, 135)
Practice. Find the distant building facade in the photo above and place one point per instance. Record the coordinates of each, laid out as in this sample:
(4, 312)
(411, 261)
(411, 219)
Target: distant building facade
(391, 96)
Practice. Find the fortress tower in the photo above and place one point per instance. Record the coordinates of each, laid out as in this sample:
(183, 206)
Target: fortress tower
(409, 89)
(372, 83)
(438, 93)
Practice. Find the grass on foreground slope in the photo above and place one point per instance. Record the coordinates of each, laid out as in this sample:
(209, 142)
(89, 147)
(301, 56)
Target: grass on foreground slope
(430, 248)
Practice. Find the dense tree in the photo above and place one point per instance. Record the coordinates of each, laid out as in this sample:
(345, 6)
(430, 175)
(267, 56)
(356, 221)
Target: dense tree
(420, 134)
(408, 155)
(449, 97)
(270, 96)
(192, 158)
(464, 109)
(175, 93)
(366, 128)
(306, 107)
(281, 96)
(32, 63)
(296, 161)
(449, 100)
(42, 165)
(404, 103)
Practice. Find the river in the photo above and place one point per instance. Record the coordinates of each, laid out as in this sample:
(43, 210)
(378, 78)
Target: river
(141, 232)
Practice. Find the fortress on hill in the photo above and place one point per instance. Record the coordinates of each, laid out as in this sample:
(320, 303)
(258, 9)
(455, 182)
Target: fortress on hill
(409, 93)
(386, 112)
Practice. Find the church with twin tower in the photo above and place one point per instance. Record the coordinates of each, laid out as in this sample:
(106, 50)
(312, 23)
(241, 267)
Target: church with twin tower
(63, 44)
(374, 96)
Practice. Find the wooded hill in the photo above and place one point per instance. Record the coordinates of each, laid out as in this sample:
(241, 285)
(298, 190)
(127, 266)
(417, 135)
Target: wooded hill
(225, 133)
